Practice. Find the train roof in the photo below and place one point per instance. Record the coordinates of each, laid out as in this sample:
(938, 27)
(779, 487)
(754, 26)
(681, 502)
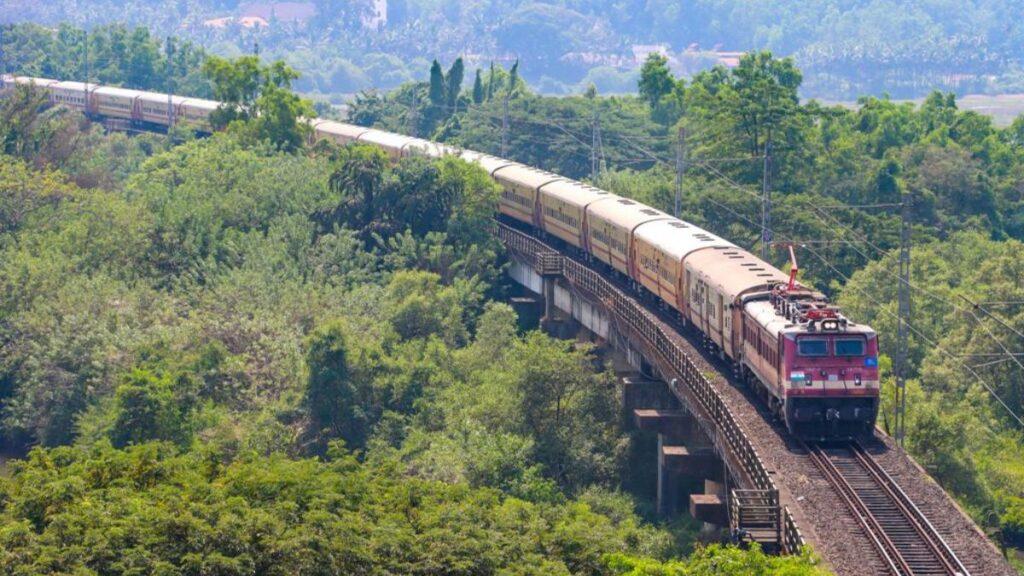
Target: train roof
(73, 85)
(431, 149)
(485, 161)
(735, 271)
(678, 238)
(387, 140)
(340, 129)
(29, 80)
(201, 103)
(764, 313)
(117, 92)
(627, 213)
(160, 97)
(525, 175)
(576, 193)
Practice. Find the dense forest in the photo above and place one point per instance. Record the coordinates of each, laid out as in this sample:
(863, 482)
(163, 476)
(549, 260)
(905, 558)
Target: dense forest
(233, 355)
(846, 48)
(242, 319)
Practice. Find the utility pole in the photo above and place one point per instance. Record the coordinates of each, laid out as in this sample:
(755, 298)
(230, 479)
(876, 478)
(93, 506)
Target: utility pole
(414, 114)
(680, 169)
(766, 199)
(170, 86)
(596, 152)
(902, 324)
(504, 128)
(3, 60)
(88, 73)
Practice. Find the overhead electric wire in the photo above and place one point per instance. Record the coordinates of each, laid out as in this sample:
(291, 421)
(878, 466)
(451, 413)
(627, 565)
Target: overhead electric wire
(924, 337)
(916, 331)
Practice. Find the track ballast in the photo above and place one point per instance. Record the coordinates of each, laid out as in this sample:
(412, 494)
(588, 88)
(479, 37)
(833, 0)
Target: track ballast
(906, 541)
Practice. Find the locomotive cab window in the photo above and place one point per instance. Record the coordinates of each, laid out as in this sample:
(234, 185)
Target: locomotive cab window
(849, 347)
(812, 347)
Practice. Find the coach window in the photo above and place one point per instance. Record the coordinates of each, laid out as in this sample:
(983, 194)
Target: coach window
(849, 347)
(812, 347)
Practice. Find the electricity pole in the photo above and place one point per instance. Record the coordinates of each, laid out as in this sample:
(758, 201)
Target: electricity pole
(766, 199)
(88, 73)
(902, 324)
(3, 61)
(170, 86)
(414, 114)
(680, 169)
(595, 146)
(504, 128)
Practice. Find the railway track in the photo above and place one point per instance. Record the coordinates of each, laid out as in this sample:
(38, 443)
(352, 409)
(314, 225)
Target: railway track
(904, 538)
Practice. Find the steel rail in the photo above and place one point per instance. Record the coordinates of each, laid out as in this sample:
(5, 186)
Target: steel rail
(865, 518)
(904, 538)
(921, 524)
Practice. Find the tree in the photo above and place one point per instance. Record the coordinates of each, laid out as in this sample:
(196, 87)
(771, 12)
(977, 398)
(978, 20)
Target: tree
(281, 118)
(357, 179)
(332, 397)
(146, 408)
(478, 88)
(259, 96)
(453, 83)
(568, 409)
(438, 91)
(513, 78)
(656, 80)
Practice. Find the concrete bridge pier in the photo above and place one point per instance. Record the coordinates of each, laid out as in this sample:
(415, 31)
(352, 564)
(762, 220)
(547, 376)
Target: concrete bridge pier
(556, 321)
(689, 470)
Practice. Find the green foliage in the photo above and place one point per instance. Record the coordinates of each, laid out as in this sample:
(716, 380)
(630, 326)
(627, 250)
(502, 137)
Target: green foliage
(149, 407)
(117, 56)
(478, 88)
(118, 512)
(956, 426)
(660, 90)
(437, 87)
(331, 395)
(1012, 523)
(716, 560)
(258, 99)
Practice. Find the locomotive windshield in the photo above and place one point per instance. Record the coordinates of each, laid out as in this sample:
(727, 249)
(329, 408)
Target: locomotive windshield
(812, 347)
(850, 347)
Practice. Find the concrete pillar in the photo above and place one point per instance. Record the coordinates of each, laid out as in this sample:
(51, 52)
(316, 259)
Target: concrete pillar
(549, 299)
(668, 483)
(710, 507)
(640, 393)
(529, 309)
(555, 322)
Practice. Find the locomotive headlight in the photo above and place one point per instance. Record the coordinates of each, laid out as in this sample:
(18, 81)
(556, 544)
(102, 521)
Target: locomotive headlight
(856, 380)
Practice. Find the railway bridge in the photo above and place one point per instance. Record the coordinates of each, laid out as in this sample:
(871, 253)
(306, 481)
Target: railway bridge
(865, 508)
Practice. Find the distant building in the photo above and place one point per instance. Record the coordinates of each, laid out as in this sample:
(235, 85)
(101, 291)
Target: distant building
(729, 59)
(244, 21)
(280, 11)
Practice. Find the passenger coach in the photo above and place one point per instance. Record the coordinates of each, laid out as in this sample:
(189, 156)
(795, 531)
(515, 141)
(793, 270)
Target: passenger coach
(815, 369)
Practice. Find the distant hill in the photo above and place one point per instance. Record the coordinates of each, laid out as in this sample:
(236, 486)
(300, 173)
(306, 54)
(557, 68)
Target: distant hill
(846, 48)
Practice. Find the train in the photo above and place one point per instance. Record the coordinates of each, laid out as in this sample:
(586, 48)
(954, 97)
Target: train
(815, 369)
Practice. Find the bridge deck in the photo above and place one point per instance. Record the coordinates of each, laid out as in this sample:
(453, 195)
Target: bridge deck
(813, 505)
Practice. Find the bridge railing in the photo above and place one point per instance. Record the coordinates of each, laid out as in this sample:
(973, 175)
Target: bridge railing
(625, 309)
